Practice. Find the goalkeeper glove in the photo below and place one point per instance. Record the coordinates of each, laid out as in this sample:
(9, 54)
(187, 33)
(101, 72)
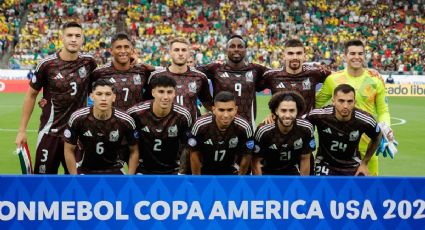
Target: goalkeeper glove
(388, 146)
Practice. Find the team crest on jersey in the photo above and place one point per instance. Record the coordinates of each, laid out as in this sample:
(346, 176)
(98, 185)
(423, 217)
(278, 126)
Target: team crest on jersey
(233, 142)
(42, 169)
(354, 135)
(307, 84)
(137, 79)
(82, 72)
(249, 76)
(114, 135)
(298, 144)
(172, 131)
(192, 87)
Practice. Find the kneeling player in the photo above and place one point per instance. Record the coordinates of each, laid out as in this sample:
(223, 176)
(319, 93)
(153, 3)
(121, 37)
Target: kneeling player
(340, 127)
(163, 127)
(99, 130)
(218, 138)
(285, 145)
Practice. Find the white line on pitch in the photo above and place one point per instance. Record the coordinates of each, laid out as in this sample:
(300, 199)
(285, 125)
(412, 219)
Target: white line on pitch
(15, 130)
(402, 121)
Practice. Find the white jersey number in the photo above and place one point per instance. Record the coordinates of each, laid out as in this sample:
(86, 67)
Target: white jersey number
(238, 88)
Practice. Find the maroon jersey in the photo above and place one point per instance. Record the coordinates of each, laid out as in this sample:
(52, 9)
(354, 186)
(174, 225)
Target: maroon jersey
(160, 137)
(242, 82)
(282, 152)
(128, 84)
(100, 140)
(304, 83)
(339, 140)
(191, 85)
(218, 149)
(65, 86)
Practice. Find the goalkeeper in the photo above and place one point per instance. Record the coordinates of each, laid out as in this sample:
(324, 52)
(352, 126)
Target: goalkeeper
(370, 96)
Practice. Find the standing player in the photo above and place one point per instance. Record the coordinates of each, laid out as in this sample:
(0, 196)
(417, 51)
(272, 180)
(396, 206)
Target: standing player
(163, 127)
(238, 77)
(218, 138)
(100, 131)
(191, 83)
(64, 77)
(370, 91)
(296, 76)
(340, 128)
(129, 80)
(285, 145)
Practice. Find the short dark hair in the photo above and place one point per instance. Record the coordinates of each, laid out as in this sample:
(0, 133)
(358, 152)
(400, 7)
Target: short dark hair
(162, 81)
(102, 82)
(294, 43)
(355, 42)
(239, 37)
(277, 98)
(121, 36)
(71, 24)
(345, 88)
(224, 96)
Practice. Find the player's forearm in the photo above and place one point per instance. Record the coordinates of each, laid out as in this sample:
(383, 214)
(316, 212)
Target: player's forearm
(27, 108)
(69, 153)
(305, 165)
(245, 162)
(195, 163)
(256, 166)
(133, 160)
(371, 149)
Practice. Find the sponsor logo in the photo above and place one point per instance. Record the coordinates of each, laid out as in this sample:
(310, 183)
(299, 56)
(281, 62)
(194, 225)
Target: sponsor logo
(250, 144)
(328, 130)
(34, 79)
(312, 144)
(354, 135)
(67, 133)
(224, 75)
(136, 134)
(58, 76)
(298, 144)
(209, 142)
(273, 146)
(233, 142)
(88, 134)
(114, 135)
(378, 129)
(257, 149)
(280, 86)
(146, 129)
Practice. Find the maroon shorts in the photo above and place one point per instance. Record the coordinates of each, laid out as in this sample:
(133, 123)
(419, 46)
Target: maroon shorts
(49, 155)
(115, 171)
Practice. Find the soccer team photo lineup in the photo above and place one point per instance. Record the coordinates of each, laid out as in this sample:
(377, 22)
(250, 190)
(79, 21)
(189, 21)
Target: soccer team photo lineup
(185, 118)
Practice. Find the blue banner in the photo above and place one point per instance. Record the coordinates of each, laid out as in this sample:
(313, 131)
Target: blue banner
(227, 202)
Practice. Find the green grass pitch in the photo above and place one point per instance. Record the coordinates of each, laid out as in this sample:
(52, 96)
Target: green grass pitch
(406, 113)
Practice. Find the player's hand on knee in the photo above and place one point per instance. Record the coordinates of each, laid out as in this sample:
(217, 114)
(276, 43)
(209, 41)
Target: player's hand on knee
(362, 170)
(42, 103)
(21, 139)
(269, 119)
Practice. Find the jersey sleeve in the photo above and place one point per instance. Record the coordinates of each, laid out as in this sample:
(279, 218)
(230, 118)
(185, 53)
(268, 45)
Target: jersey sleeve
(259, 148)
(260, 83)
(194, 138)
(132, 134)
(246, 145)
(39, 80)
(70, 134)
(205, 94)
(208, 69)
(324, 94)
(382, 109)
(309, 143)
(372, 129)
(147, 92)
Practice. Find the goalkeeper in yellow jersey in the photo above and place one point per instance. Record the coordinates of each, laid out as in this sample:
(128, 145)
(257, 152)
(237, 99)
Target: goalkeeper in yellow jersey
(370, 96)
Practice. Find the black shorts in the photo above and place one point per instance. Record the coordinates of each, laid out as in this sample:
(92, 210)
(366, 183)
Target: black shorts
(49, 155)
(114, 171)
(323, 168)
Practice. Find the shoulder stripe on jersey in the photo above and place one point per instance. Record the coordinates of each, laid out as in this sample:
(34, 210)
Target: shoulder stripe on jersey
(197, 71)
(48, 58)
(262, 130)
(77, 114)
(244, 125)
(322, 111)
(272, 71)
(126, 117)
(305, 124)
(201, 122)
(109, 64)
(184, 112)
(155, 72)
(139, 108)
(365, 118)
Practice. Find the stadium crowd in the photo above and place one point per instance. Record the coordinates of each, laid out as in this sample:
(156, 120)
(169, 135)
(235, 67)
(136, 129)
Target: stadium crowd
(392, 30)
